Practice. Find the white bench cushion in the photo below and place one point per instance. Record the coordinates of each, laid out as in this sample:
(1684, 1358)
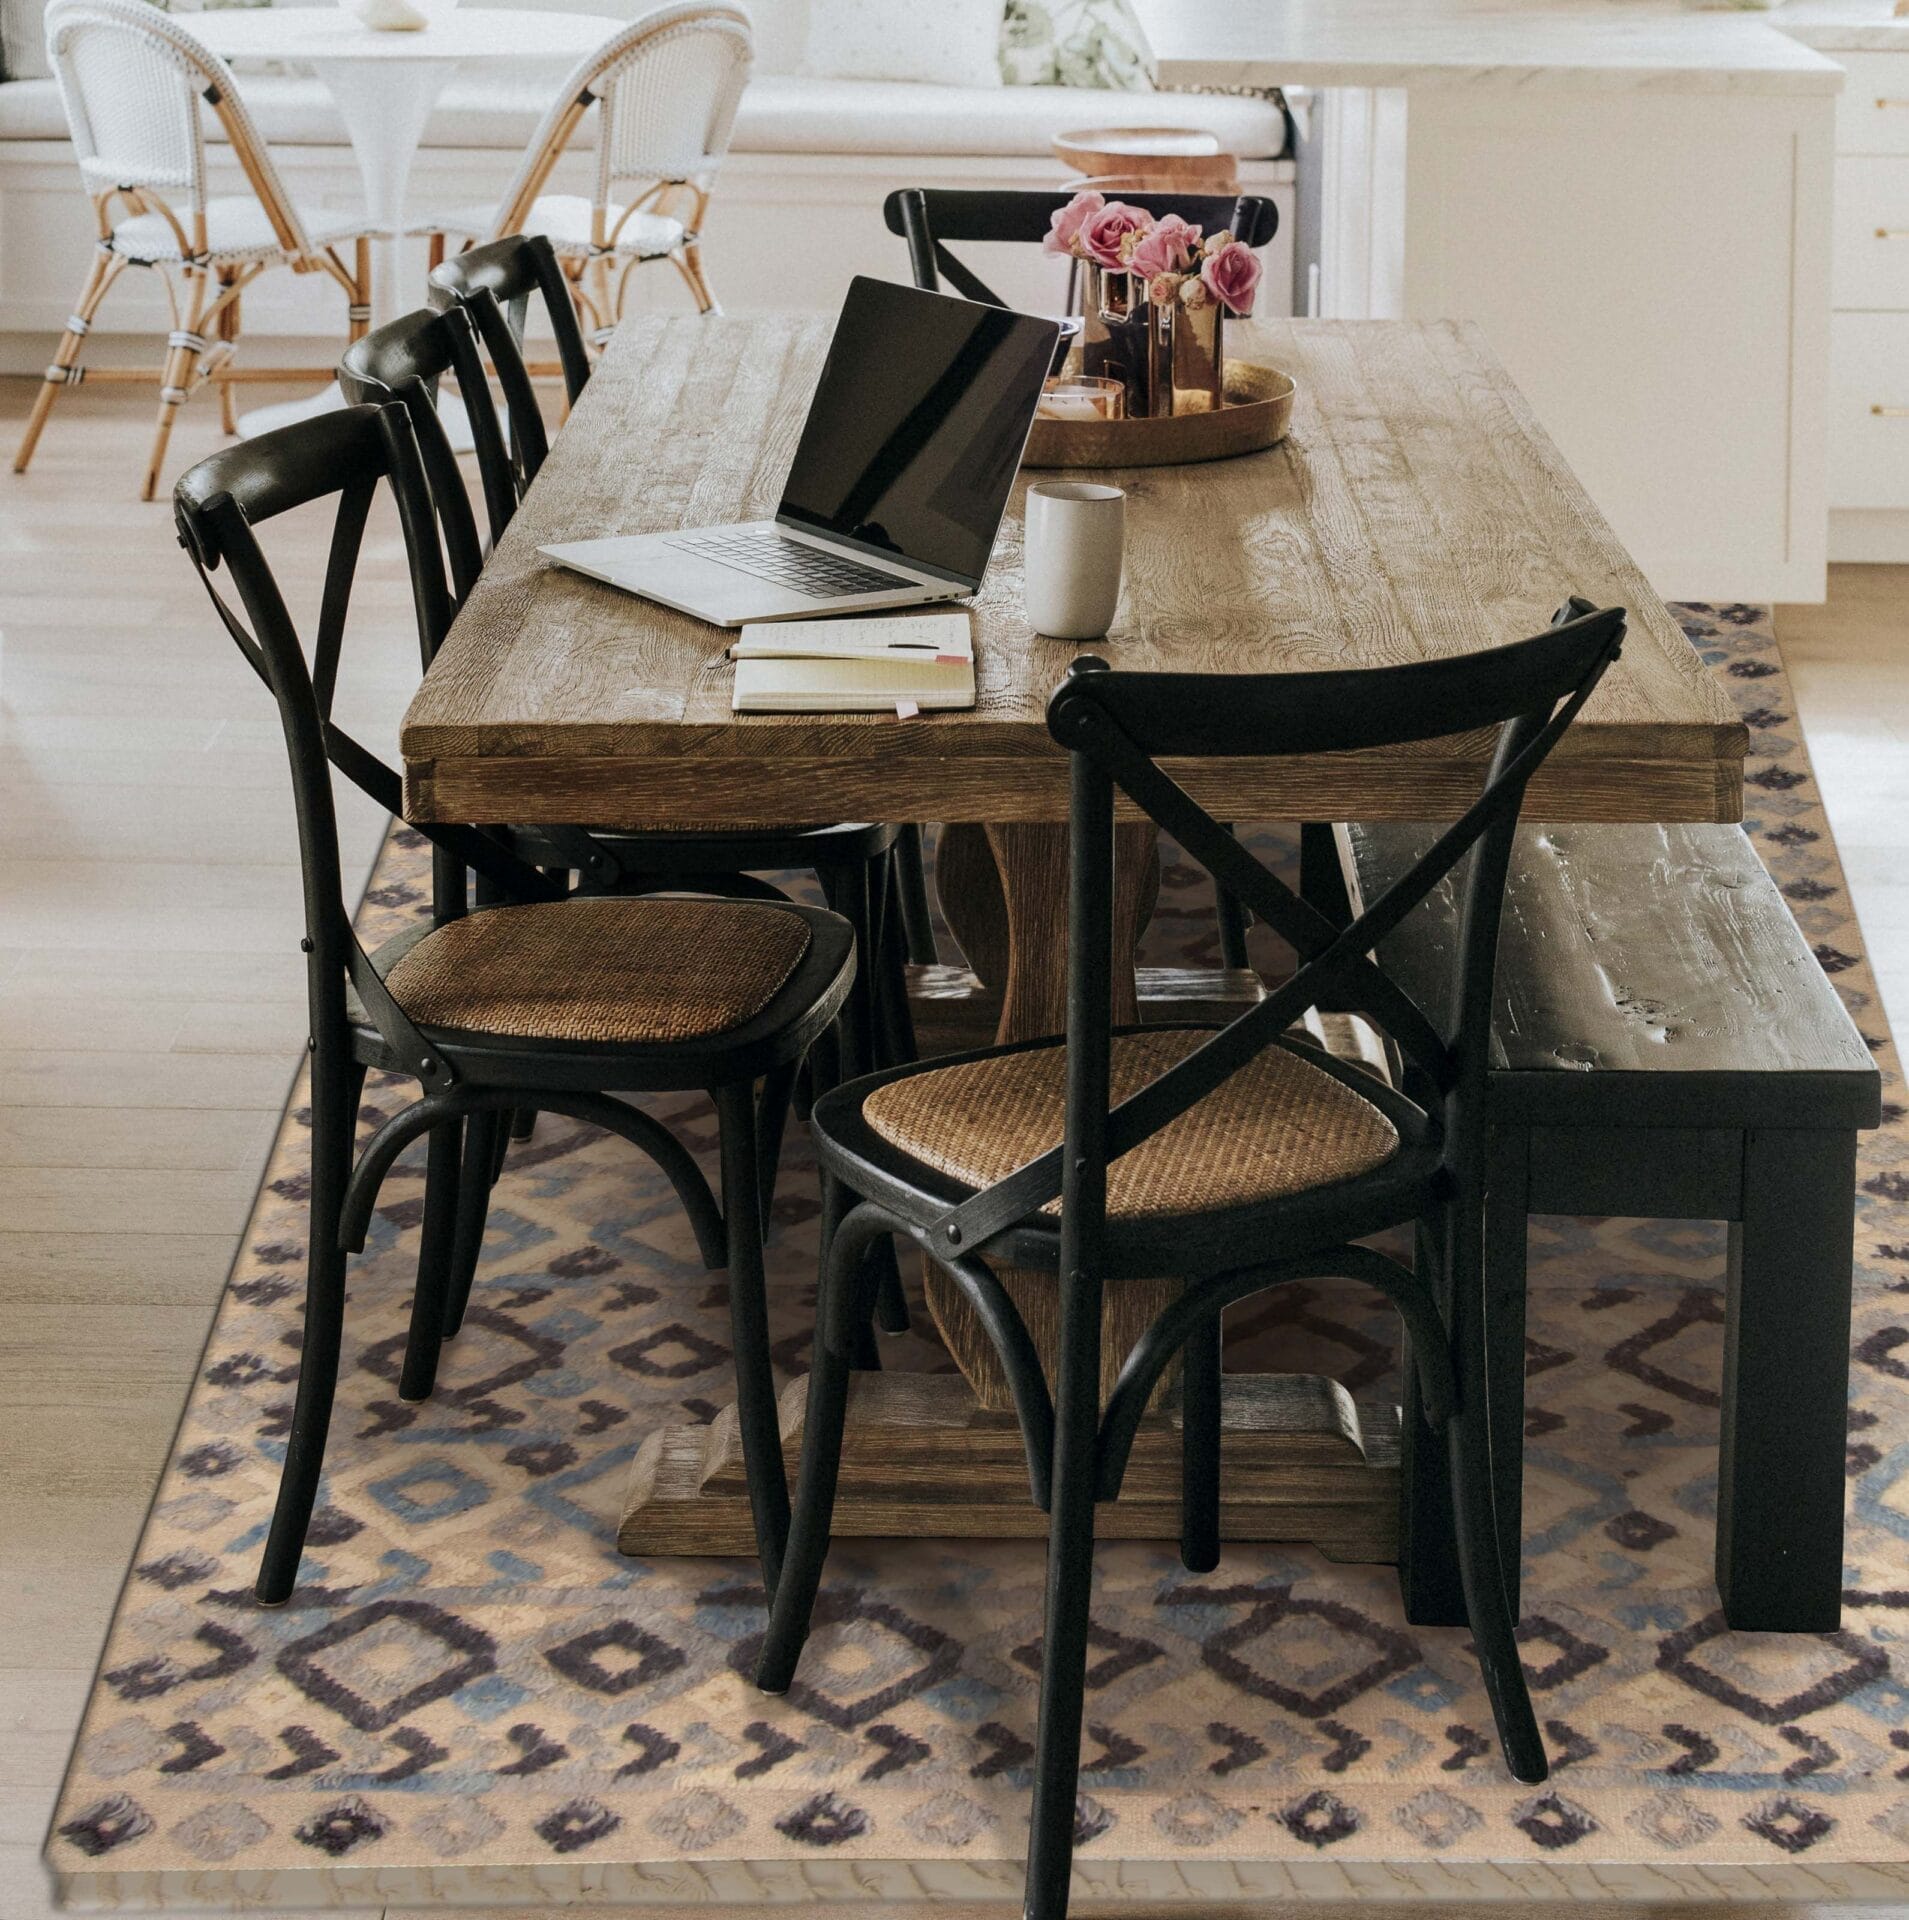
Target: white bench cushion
(780, 114)
(792, 115)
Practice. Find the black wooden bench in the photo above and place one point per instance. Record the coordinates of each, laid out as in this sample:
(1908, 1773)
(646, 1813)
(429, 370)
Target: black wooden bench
(1666, 1047)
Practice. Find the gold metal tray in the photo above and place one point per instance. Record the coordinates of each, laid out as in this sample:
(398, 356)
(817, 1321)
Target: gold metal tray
(1258, 410)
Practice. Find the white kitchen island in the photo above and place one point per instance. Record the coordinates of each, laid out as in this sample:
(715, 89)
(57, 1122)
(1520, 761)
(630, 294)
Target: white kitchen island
(1634, 199)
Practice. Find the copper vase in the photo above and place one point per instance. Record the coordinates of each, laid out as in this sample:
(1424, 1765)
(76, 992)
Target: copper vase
(1187, 357)
(1114, 343)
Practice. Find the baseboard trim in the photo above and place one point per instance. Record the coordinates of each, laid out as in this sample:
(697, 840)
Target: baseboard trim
(1877, 536)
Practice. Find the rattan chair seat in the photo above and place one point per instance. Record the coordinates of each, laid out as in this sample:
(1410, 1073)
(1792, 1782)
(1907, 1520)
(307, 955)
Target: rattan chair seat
(602, 971)
(1280, 1126)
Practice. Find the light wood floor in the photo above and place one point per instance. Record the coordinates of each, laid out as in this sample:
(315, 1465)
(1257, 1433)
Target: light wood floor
(151, 997)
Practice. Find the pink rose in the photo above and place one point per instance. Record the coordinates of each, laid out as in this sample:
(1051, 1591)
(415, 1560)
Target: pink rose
(1067, 221)
(1171, 247)
(1232, 276)
(1111, 233)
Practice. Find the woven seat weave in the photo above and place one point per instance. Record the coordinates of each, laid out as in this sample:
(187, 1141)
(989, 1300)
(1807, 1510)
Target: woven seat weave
(1278, 1127)
(614, 972)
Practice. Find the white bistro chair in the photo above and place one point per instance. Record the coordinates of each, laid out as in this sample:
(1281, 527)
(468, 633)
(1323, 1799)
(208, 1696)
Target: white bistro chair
(665, 89)
(133, 81)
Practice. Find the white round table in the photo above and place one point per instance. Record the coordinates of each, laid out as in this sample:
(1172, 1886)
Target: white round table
(385, 85)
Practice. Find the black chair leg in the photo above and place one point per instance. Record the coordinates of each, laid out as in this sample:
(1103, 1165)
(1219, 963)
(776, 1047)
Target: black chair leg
(1070, 1581)
(772, 1119)
(1494, 1630)
(911, 884)
(1477, 1548)
(895, 1020)
(749, 1329)
(1232, 919)
(336, 1084)
(1200, 1384)
(839, 1313)
(523, 1123)
(484, 1133)
(851, 896)
(444, 1171)
(848, 893)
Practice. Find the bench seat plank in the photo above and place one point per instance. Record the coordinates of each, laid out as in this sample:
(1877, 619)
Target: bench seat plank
(1647, 976)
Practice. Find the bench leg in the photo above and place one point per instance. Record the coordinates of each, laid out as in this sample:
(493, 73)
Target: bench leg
(1786, 1384)
(1428, 1563)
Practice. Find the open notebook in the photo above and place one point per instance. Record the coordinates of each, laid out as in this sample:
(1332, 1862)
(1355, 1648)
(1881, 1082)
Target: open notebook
(912, 663)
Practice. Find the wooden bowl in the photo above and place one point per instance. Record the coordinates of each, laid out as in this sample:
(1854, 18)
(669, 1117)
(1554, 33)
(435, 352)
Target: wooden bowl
(1188, 156)
(1258, 410)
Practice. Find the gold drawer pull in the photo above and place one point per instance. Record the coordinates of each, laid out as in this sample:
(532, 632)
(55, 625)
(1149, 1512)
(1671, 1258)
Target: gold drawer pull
(1890, 413)
(1892, 233)
(1892, 103)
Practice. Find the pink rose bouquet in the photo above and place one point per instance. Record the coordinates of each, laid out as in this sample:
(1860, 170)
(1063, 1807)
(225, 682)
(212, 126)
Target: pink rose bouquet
(1063, 229)
(1230, 273)
(1171, 245)
(1110, 234)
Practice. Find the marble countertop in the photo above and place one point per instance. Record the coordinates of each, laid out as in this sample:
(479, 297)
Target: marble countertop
(1844, 26)
(1627, 45)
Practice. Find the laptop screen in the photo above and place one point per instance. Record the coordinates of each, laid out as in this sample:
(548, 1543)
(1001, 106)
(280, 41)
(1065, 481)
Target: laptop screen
(917, 426)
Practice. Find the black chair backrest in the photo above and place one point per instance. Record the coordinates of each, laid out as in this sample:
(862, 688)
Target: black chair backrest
(1118, 727)
(493, 284)
(338, 456)
(403, 362)
(929, 217)
(510, 271)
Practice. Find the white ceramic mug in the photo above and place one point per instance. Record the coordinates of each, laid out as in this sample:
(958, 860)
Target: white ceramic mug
(1070, 571)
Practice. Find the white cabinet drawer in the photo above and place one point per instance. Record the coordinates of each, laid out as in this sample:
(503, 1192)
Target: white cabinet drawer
(1868, 450)
(1871, 233)
(1872, 111)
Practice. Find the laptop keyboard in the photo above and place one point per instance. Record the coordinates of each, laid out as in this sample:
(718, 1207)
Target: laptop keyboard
(789, 563)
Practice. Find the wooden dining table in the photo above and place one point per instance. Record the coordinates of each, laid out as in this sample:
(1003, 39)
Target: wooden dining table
(1415, 510)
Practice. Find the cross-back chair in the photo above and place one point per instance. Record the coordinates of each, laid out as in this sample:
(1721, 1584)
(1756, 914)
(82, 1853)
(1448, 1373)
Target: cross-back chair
(133, 80)
(1238, 1159)
(544, 997)
(403, 362)
(928, 218)
(666, 90)
(494, 284)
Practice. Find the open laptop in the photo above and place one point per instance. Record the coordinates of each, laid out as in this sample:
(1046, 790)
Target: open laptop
(898, 484)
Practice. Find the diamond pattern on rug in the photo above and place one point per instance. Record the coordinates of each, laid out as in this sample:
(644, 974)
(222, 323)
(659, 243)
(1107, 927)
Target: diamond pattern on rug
(470, 1675)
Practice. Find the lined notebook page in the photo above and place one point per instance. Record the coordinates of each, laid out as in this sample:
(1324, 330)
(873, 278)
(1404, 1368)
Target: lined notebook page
(853, 685)
(880, 637)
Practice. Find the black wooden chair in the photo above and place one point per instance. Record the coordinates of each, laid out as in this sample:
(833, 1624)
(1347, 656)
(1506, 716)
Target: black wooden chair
(1240, 1158)
(404, 362)
(927, 218)
(494, 284)
(544, 998)
(497, 282)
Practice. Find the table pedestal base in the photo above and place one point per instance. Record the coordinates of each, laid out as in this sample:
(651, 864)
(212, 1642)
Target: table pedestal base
(921, 1460)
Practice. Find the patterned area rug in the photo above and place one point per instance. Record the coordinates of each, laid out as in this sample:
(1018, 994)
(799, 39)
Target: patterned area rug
(473, 1696)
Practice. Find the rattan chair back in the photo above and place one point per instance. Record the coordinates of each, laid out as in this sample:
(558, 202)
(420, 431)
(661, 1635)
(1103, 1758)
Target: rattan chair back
(666, 89)
(132, 80)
